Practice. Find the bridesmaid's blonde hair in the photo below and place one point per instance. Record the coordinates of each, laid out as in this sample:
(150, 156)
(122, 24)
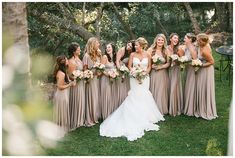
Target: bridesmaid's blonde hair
(143, 42)
(204, 37)
(90, 49)
(154, 45)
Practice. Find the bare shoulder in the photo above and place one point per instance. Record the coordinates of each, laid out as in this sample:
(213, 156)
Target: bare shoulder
(132, 54)
(60, 74)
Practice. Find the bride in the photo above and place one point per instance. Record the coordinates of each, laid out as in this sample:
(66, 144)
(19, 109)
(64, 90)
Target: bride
(138, 112)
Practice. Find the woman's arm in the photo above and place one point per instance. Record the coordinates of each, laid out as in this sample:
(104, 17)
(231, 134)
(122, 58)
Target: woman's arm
(119, 55)
(181, 51)
(60, 81)
(149, 63)
(193, 51)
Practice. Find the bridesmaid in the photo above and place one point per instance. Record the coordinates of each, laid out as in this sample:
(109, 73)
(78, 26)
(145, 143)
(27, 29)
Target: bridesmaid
(176, 93)
(92, 55)
(205, 84)
(61, 97)
(76, 94)
(159, 79)
(189, 50)
(108, 89)
(123, 85)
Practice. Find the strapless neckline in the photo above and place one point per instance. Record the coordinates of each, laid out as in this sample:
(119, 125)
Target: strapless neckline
(141, 59)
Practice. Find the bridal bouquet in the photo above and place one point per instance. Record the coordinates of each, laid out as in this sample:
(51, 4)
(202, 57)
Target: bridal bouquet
(99, 67)
(113, 75)
(173, 58)
(183, 60)
(124, 71)
(158, 59)
(78, 75)
(88, 75)
(197, 64)
(139, 73)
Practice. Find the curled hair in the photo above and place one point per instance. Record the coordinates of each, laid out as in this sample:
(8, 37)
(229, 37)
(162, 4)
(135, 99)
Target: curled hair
(175, 47)
(72, 48)
(154, 45)
(143, 42)
(90, 49)
(114, 53)
(60, 65)
(191, 36)
(203, 37)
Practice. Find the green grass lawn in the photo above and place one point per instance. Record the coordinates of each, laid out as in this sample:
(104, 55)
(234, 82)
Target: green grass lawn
(180, 135)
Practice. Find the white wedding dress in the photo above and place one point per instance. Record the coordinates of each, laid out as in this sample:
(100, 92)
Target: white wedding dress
(137, 113)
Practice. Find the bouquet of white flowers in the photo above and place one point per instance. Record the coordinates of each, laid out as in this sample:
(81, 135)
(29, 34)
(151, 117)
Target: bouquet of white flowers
(113, 75)
(139, 73)
(183, 60)
(158, 59)
(78, 75)
(124, 71)
(197, 63)
(99, 67)
(88, 75)
(173, 58)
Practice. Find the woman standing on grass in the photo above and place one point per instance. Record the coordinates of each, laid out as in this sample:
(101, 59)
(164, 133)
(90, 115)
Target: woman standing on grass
(205, 84)
(61, 97)
(189, 50)
(159, 79)
(92, 55)
(77, 93)
(108, 89)
(123, 85)
(176, 93)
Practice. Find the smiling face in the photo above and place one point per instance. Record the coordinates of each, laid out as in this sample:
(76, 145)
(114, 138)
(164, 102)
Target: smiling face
(97, 45)
(160, 41)
(109, 49)
(174, 40)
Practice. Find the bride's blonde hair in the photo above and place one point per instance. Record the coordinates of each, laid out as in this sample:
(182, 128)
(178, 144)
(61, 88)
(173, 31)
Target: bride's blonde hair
(90, 49)
(143, 42)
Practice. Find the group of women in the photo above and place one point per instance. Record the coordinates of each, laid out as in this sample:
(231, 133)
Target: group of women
(175, 91)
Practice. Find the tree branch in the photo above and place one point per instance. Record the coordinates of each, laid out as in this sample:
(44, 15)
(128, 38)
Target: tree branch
(64, 24)
(125, 25)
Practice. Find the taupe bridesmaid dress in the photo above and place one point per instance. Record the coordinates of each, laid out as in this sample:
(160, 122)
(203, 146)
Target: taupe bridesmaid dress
(190, 88)
(92, 109)
(77, 102)
(205, 92)
(122, 86)
(107, 96)
(176, 92)
(61, 113)
(159, 87)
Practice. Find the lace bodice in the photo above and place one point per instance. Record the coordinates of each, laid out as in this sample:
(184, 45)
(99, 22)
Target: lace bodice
(143, 63)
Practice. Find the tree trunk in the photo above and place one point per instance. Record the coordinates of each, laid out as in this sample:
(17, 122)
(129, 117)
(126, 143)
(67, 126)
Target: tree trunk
(99, 16)
(193, 19)
(124, 24)
(158, 22)
(15, 26)
(230, 9)
(221, 16)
